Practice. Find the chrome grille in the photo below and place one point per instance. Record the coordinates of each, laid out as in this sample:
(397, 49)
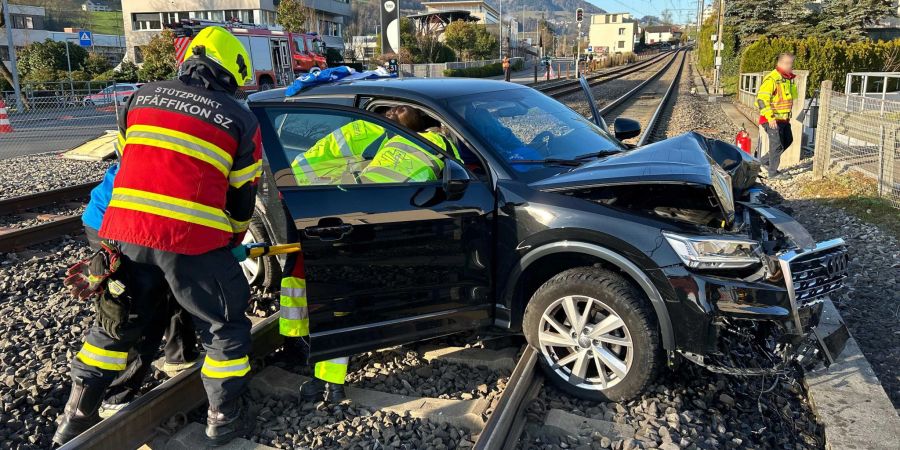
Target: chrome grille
(814, 273)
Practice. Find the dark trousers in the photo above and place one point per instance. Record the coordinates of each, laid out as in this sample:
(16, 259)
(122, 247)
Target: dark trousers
(170, 321)
(211, 287)
(780, 138)
(506, 73)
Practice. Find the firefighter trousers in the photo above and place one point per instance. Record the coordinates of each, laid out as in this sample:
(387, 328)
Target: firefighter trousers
(170, 321)
(211, 287)
(293, 321)
(780, 138)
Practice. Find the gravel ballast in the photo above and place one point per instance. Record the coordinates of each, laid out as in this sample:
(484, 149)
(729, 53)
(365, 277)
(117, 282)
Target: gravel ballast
(44, 172)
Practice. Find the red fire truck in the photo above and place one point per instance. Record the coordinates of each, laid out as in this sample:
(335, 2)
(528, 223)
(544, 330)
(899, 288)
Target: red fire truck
(278, 57)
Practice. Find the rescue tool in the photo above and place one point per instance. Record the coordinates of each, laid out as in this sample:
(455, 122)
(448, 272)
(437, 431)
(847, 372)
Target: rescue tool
(265, 249)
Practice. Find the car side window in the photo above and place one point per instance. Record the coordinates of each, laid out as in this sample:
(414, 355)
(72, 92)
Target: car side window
(341, 148)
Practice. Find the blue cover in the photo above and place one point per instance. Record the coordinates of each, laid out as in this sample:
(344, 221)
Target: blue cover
(331, 75)
(100, 196)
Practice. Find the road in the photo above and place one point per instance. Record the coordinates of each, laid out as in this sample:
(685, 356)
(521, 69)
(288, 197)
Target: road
(54, 130)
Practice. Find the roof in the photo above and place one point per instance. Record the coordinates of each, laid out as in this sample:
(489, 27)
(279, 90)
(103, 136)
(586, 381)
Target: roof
(460, 14)
(434, 88)
(659, 29)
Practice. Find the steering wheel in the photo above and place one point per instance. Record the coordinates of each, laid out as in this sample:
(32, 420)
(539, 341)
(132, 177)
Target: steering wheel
(536, 141)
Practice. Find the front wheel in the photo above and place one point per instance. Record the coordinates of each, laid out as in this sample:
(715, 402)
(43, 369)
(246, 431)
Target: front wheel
(596, 333)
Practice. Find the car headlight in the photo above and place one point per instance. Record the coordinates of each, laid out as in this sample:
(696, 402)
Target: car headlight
(707, 252)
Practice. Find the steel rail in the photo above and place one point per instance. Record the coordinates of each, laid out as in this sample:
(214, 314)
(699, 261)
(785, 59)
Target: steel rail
(137, 423)
(572, 86)
(40, 233)
(500, 430)
(625, 97)
(654, 119)
(24, 202)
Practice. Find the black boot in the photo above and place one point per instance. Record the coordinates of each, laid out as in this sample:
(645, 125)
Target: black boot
(334, 393)
(313, 390)
(80, 412)
(226, 424)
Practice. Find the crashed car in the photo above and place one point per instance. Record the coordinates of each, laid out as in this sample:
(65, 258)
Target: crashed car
(613, 261)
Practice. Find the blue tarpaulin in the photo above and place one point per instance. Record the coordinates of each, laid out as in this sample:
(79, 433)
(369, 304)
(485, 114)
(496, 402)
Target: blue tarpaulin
(331, 75)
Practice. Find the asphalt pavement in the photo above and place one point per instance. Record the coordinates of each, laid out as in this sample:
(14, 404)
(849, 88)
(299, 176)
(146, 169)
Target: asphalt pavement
(55, 130)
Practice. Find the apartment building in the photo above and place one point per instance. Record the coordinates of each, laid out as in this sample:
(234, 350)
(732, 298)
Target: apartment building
(613, 33)
(146, 18)
(28, 27)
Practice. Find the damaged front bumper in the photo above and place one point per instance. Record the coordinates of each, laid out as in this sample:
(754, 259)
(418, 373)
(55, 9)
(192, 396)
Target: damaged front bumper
(764, 326)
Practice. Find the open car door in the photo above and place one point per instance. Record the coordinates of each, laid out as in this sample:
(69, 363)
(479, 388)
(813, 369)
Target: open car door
(386, 263)
(592, 103)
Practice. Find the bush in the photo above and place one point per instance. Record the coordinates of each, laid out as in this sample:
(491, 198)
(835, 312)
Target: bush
(826, 59)
(489, 70)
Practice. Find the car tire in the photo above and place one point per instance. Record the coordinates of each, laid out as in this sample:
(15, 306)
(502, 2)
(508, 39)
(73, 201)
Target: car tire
(262, 272)
(625, 317)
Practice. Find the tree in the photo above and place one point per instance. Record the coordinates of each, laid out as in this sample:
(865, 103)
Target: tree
(42, 59)
(847, 19)
(666, 17)
(95, 64)
(486, 44)
(292, 15)
(649, 20)
(460, 36)
(159, 58)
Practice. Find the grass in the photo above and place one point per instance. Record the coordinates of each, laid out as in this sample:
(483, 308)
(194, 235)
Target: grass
(105, 22)
(858, 195)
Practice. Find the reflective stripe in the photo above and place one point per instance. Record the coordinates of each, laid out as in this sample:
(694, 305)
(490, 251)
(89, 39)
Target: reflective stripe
(180, 142)
(342, 143)
(120, 144)
(418, 153)
(103, 359)
(293, 328)
(332, 371)
(294, 312)
(306, 169)
(390, 176)
(237, 178)
(238, 226)
(293, 292)
(224, 369)
(171, 207)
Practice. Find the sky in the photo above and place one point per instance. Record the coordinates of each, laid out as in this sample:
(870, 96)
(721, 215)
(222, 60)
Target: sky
(651, 7)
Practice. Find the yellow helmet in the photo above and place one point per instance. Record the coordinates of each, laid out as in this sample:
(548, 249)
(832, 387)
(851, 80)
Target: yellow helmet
(226, 50)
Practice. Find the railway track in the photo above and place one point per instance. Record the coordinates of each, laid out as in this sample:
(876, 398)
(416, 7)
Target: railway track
(53, 227)
(647, 101)
(557, 89)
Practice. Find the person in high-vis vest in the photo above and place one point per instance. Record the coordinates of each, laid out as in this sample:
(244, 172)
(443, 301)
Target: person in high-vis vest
(401, 161)
(332, 159)
(775, 99)
(181, 203)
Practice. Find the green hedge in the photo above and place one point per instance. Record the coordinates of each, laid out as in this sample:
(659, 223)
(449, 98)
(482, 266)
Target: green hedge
(489, 70)
(825, 59)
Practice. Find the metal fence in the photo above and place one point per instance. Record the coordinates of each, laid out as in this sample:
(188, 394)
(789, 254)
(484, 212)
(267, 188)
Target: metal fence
(437, 70)
(860, 134)
(58, 115)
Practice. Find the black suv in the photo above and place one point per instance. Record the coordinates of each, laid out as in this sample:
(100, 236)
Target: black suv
(612, 261)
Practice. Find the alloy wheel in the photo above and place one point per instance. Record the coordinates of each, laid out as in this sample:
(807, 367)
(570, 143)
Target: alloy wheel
(585, 342)
(251, 266)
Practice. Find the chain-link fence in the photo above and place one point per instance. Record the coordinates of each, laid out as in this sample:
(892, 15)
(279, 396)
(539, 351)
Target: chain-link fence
(58, 115)
(860, 134)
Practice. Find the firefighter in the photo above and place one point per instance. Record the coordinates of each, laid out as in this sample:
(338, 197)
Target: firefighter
(172, 320)
(775, 99)
(328, 376)
(181, 204)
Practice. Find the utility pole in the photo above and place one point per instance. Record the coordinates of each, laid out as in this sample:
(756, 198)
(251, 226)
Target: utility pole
(12, 55)
(719, 46)
(500, 27)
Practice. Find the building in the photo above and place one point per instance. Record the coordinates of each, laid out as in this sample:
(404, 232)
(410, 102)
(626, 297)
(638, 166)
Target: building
(484, 13)
(95, 5)
(28, 27)
(363, 47)
(661, 34)
(613, 33)
(145, 19)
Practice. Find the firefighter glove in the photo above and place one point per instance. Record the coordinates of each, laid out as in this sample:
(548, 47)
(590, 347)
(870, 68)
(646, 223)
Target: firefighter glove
(87, 278)
(240, 253)
(112, 310)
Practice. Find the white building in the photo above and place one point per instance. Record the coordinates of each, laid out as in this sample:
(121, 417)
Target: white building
(95, 6)
(613, 33)
(363, 47)
(28, 27)
(661, 34)
(144, 19)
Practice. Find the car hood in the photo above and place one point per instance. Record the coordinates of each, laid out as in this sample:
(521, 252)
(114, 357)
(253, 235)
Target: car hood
(686, 159)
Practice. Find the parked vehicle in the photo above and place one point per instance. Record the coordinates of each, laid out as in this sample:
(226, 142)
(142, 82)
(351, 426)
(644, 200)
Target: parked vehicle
(278, 57)
(119, 93)
(613, 262)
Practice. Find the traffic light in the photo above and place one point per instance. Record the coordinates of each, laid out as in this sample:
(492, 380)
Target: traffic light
(579, 15)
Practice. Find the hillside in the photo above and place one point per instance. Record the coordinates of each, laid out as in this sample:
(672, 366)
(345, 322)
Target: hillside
(549, 6)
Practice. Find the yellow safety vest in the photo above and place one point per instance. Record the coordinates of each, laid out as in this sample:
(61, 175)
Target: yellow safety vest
(400, 161)
(333, 157)
(775, 97)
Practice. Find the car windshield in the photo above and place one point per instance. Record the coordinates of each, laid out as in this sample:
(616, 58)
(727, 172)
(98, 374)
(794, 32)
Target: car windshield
(534, 133)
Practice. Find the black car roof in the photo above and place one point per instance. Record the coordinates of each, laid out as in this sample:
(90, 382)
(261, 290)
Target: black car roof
(435, 88)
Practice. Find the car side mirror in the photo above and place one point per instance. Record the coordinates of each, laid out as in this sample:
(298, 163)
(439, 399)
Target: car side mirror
(456, 179)
(626, 128)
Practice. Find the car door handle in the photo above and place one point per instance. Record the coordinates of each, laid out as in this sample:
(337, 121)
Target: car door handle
(329, 233)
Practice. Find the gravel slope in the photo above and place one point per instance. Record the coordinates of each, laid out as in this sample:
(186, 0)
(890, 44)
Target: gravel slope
(44, 172)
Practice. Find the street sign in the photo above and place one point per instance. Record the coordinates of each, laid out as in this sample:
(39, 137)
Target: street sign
(719, 46)
(718, 61)
(85, 38)
(590, 49)
(714, 37)
(579, 15)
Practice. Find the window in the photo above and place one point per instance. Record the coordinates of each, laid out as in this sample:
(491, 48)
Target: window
(174, 17)
(621, 44)
(342, 148)
(147, 21)
(621, 31)
(329, 28)
(267, 17)
(239, 15)
(23, 22)
(212, 16)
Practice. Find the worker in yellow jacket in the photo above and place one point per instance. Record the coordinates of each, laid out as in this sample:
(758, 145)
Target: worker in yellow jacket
(775, 99)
